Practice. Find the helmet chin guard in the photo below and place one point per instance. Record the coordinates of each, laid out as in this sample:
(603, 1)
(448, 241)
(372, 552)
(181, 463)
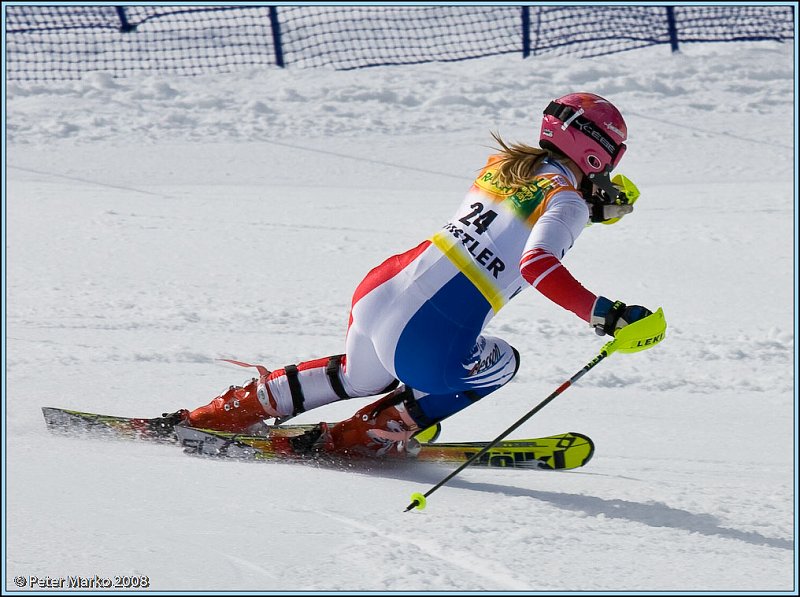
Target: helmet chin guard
(609, 200)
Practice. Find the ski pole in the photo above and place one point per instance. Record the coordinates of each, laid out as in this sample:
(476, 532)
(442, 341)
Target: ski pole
(635, 337)
(419, 499)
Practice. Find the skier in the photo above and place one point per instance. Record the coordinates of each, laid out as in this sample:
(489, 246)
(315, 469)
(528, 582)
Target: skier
(416, 323)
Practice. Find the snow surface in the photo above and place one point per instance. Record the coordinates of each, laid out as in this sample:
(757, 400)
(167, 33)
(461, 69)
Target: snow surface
(157, 224)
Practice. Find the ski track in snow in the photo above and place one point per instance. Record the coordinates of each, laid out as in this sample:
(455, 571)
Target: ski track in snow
(496, 574)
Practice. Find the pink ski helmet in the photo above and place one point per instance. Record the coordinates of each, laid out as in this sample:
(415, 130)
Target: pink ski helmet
(587, 129)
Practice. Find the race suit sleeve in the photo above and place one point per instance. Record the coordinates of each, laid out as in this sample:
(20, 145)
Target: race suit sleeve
(550, 239)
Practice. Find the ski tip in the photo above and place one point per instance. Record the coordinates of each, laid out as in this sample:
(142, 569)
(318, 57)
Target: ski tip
(589, 442)
(417, 501)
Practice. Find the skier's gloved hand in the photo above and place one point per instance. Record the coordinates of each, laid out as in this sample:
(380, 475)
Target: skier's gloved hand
(608, 317)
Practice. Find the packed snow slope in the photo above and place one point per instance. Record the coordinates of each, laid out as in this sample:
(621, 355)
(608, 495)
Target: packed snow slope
(158, 224)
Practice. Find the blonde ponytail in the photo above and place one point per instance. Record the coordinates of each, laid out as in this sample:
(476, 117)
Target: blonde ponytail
(517, 162)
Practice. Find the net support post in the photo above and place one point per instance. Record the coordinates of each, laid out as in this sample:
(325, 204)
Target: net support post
(673, 29)
(276, 35)
(124, 24)
(526, 31)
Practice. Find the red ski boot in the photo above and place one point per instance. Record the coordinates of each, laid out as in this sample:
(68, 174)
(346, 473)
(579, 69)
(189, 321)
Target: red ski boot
(238, 409)
(381, 429)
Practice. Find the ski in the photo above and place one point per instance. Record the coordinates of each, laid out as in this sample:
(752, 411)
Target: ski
(557, 452)
(73, 422)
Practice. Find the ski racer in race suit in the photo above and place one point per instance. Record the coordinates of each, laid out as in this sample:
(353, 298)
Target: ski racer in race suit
(416, 324)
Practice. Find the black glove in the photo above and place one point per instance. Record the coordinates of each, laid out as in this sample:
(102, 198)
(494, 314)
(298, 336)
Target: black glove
(608, 317)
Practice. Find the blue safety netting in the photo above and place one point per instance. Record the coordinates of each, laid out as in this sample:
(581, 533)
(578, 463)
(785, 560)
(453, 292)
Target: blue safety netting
(65, 42)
